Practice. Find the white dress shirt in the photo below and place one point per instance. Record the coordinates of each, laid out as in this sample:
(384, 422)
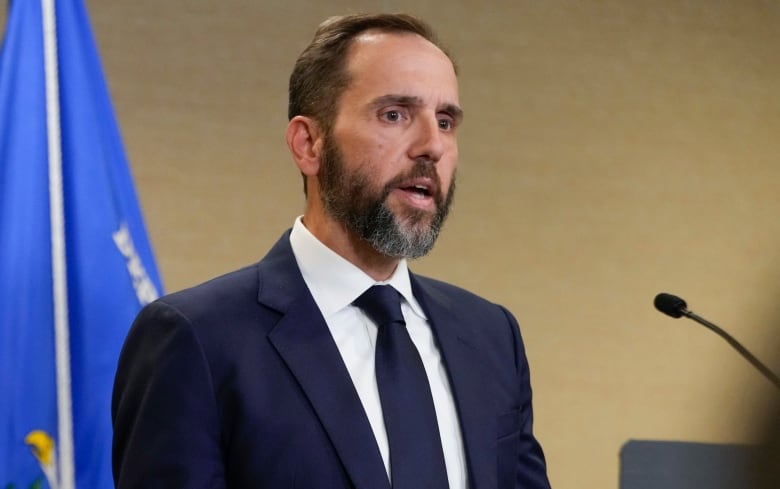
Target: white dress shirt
(334, 283)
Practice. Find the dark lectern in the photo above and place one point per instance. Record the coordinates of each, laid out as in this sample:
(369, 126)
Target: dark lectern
(651, 464)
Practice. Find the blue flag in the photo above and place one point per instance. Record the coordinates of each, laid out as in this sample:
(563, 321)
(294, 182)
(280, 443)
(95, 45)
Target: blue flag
(73, 252)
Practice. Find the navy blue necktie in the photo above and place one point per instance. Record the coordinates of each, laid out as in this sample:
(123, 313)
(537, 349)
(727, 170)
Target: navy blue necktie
(416, 457)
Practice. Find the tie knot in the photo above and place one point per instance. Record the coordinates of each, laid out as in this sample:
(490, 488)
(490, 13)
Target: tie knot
(381, 303)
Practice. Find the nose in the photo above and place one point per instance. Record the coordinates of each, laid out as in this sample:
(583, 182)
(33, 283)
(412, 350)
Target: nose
(429, 143)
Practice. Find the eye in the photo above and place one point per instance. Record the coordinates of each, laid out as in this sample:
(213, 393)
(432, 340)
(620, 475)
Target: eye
(446, 124)
(392, 115)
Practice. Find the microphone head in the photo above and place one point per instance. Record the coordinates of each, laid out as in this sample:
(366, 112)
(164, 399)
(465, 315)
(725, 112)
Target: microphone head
(671, 305)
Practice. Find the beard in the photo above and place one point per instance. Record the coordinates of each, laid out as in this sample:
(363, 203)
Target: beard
(355, 201)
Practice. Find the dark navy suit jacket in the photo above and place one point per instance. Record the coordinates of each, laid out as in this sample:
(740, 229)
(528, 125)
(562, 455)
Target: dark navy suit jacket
(237, 383)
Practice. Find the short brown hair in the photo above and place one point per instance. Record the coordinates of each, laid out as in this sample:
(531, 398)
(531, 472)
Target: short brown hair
(320, 76)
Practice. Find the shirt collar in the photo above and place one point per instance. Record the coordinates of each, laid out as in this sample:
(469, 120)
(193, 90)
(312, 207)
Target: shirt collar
(335, 282)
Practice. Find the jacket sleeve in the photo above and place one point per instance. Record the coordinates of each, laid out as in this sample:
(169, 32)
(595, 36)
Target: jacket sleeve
(164, 413)
(531, 470)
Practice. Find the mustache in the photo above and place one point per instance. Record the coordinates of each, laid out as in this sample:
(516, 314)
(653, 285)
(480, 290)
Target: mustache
(423, 168)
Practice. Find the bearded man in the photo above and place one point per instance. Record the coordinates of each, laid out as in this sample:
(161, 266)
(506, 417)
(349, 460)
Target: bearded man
(328, 364)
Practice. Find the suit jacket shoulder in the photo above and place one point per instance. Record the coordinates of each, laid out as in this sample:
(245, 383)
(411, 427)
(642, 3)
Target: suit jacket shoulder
(485, 324)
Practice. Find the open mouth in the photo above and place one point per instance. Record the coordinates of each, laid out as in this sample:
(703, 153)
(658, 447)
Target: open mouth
(420, 190)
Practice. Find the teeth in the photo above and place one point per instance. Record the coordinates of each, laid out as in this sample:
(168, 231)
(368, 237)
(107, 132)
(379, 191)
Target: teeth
(422, 190)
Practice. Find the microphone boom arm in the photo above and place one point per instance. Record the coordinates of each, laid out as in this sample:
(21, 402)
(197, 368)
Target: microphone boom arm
(735, 344)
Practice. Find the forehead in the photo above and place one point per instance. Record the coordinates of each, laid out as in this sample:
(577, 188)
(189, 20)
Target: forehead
(380, 63)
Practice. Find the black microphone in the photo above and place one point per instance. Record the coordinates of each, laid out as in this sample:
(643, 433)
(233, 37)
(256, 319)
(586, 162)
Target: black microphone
(674, 306)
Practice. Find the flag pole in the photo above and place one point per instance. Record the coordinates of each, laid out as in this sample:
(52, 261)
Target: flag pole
(59, 270)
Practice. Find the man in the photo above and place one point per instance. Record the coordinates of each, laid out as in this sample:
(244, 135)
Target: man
(280, 375)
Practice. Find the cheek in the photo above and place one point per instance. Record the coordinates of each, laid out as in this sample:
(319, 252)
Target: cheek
(370, 154)
(383, 160)
(446, 169)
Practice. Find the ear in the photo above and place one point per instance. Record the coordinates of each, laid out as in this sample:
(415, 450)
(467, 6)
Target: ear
(304, 138)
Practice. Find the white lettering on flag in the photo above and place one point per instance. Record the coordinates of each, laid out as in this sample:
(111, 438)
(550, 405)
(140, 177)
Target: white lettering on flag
(144, 288)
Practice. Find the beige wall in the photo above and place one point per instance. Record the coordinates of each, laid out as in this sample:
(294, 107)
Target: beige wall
(611, 150)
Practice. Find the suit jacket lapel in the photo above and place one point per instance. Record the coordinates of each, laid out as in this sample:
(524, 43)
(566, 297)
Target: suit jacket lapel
(460, 355)
(303, 340)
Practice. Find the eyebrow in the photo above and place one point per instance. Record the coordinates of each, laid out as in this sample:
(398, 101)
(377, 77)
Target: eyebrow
(410, 100)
